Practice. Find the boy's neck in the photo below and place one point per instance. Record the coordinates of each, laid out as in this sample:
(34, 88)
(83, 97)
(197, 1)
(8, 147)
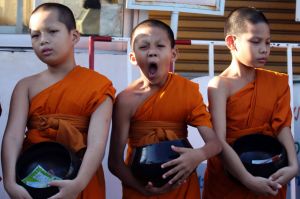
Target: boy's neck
(62, 68)
(241, 71)
(149, 85)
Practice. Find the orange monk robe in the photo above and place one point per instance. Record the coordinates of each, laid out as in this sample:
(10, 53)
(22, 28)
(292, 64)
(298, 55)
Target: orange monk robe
(67, 106)
(261, 106)
(179, 102)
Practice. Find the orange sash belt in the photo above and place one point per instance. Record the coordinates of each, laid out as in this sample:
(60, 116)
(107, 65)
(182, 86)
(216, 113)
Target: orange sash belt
(70, 130)
(150, 132)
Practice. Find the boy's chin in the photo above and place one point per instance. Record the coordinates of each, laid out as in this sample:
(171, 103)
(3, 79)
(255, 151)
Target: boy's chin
(152, 80)
(148, 78)
(254, 66)
(259, 66)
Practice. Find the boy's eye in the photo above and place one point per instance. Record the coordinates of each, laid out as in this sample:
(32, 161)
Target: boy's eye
(142, 47)
(161, 45)
(53, 31)
(254, 41)
(34, 35)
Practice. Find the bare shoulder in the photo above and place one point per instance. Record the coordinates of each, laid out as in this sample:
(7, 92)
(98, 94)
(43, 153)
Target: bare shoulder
(219, 88)
(219, 83)
(129, 99)
(21, 91)
(26, 82)
(124, 98)
(37, 82)
(125, 102)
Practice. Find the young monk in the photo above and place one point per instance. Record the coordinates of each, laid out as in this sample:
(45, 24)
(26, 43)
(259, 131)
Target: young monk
(157, 107)
(65, 103)
(246, 99)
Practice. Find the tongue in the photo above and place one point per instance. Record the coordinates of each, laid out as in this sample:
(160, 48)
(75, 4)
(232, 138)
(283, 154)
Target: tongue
(152, 71)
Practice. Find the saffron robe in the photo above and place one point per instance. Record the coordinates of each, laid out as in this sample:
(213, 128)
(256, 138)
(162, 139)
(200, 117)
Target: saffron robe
(62, 112)
(175, 105)
(261, 106)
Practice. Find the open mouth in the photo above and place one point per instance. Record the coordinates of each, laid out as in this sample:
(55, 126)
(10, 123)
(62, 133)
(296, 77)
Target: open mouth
(152, 69)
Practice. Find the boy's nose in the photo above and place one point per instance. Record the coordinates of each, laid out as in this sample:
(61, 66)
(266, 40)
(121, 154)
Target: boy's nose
(264, 49)
(152, 53)
(44, 39)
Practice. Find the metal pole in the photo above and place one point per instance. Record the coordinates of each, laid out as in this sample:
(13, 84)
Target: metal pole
(19, 24)
(174, 27)
(91, 52)
(129, 67)
(174, 22)
(211, 59)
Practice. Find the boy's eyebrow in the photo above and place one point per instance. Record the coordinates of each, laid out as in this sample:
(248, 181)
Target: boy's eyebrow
(30, 31)
(258, 37)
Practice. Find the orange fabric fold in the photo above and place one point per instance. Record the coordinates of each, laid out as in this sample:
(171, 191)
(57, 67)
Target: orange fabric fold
(70, 130)
(165, 116)
(150, 132)
(262, 106)
(61, 113)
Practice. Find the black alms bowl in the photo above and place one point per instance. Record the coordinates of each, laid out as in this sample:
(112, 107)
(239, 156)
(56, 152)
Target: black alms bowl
(261, 155)
(147, 161)
(53, 157)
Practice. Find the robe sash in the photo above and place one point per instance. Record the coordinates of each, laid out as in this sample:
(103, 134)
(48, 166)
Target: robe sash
(70, 130)
(150, 132)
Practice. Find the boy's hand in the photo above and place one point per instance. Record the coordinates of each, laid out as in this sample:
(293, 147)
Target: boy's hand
(184, 165)
(152, 190)
(67, 189)
(18, 192)
(263, 186)
(284, 175)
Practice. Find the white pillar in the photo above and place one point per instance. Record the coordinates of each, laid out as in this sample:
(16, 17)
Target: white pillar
(174, 22)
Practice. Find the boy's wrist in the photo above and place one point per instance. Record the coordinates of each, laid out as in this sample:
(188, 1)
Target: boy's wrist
(9, 184)
(8, 181)
(201, 155)
(79, 183)
(295, 168)
(247, 180)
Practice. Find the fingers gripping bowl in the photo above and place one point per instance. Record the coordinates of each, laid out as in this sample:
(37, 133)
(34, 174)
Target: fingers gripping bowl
(147, 161)
(261, 155)
(42, 163)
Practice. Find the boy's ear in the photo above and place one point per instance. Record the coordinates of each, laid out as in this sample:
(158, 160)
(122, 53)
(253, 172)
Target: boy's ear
(230, 42)
(132, 58)
(175, 54)
(75, 36)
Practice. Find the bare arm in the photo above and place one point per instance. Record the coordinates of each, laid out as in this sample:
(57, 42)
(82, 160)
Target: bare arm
(217, 96)
(284, 175)
(212, 143)
(13, 139)
(119, 136)
(96, 143)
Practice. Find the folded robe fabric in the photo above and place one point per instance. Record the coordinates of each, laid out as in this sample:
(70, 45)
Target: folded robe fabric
(164, 116)
(262, 106)
(61, 113)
